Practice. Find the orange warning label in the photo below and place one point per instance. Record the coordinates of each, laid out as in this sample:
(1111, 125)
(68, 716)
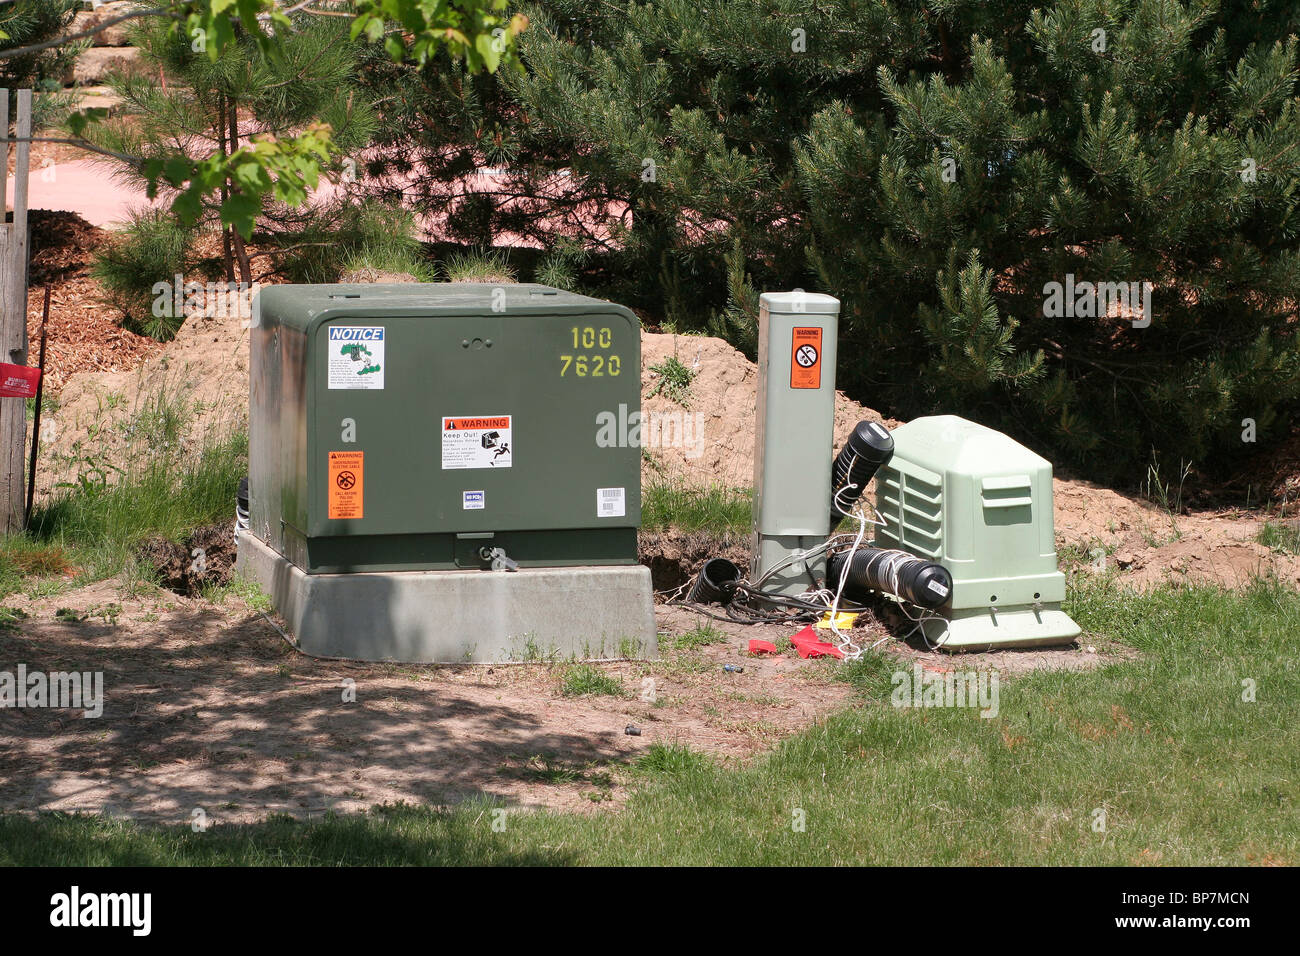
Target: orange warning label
(806, 358)
(347, 484)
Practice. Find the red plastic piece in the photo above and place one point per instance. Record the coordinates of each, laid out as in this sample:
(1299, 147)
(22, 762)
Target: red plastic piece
(808, 644)
(761, 647)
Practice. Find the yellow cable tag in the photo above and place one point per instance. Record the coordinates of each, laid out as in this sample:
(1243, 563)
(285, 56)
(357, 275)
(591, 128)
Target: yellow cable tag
(843, 620)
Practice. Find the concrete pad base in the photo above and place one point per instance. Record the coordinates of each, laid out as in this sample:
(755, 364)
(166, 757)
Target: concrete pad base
(578, 613)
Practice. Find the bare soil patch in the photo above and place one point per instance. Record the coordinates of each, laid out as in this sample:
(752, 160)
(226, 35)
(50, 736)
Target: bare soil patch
(206, 706)
(1219, 549)
(1150, 546)
(674, 558)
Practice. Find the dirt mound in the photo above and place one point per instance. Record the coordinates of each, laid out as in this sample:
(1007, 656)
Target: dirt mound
(1086, 513)
(206, 558)
(1152, 546)
(719, 444)
(189, 393)
(196, 387)
(1201, 549)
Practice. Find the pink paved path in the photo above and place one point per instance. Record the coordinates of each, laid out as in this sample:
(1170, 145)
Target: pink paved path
(90, 190)
(83, 187)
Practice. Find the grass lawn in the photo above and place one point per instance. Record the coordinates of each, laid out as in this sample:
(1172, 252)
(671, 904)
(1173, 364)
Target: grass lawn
(1184, 770)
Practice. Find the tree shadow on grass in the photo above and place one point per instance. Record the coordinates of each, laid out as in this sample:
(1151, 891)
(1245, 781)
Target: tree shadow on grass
(385, 836)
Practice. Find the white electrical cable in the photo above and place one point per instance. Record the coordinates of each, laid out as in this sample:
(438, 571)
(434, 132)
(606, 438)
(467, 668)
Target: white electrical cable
(798, 556)
(892, 561)
(847, 646)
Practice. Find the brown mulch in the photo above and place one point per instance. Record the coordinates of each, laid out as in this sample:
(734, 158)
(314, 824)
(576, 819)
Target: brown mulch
(83, 334)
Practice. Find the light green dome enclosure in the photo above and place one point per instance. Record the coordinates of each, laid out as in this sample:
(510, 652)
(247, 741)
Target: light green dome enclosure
(980, 504)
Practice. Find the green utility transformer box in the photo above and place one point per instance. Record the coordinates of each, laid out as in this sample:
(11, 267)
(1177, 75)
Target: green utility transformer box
(446, 427)
(405, 427)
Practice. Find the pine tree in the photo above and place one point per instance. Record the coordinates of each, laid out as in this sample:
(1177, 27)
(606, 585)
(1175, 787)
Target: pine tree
(192, 106)
(939, 165)
(30, 23)
(1110, 143)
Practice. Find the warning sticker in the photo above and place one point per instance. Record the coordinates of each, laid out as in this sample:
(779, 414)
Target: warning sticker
(356, 356)
(347, 484)
(483, 442)
(806, 358)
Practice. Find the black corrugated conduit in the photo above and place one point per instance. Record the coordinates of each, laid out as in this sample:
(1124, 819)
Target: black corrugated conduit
(924, 583)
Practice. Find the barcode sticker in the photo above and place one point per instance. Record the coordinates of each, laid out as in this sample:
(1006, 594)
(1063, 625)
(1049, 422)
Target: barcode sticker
(611, 503)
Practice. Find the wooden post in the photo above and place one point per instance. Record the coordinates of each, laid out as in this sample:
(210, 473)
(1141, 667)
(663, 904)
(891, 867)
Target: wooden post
(13, 314)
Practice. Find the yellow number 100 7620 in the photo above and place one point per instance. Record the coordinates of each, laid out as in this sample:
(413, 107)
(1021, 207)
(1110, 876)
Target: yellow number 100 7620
(591, 366)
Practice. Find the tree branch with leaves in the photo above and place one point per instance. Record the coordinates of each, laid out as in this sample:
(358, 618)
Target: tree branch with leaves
(285, 168)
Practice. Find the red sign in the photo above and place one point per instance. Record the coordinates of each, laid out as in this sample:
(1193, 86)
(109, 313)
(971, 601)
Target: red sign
(18, 381)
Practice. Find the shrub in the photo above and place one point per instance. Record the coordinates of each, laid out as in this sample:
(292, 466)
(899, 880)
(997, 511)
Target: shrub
(152, 248)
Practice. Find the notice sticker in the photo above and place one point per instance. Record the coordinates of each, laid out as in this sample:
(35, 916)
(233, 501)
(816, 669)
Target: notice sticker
(347, 484)
(484, 442)
(356, 356)
(806, 358)
(611, 503)
(473, 500)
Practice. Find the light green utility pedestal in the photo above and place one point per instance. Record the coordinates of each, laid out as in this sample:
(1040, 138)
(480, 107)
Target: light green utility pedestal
(793, 446)
(980, 504)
